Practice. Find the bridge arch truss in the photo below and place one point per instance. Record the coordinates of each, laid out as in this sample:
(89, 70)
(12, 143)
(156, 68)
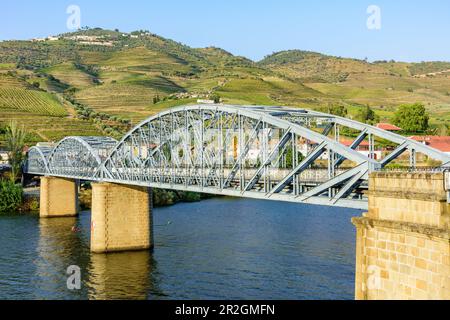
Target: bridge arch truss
(274, 153)
(79, 157)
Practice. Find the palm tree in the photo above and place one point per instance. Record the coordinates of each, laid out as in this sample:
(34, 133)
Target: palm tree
(15, 142)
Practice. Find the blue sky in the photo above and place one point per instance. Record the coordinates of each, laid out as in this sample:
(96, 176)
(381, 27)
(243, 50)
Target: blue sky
(410, 30)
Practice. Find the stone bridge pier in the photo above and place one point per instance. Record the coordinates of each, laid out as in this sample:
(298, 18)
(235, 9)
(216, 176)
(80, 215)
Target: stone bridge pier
(122, 218)
(121, 215)
(59, 197)
(403, 242)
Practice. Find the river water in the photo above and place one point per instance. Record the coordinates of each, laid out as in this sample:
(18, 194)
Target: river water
(220, 248)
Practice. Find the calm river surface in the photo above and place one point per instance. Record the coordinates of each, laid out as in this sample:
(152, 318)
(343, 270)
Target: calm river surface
(215, 249)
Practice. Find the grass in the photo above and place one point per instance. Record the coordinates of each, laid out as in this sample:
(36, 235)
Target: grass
(144, 60)
(119, 99)
(69, 74)
(46, 128)
(32, 101)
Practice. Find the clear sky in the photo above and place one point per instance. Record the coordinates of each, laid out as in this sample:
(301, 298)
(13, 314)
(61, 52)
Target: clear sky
(410, 30)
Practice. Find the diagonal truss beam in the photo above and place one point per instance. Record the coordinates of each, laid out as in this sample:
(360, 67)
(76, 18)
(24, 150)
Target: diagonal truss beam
(355, 144)
(350, 186)
(244, 154)
(394, 154)
(285, 139)
(316, 153)
(332, 183)
(328, 129)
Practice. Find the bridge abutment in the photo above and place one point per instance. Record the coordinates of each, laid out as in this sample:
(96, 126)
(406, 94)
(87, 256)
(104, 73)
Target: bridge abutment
(403, 242)
(59, 197)
(121, 218)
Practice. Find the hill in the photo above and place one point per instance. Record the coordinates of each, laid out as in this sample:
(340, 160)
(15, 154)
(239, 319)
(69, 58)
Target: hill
(383, 84)
(102, 81)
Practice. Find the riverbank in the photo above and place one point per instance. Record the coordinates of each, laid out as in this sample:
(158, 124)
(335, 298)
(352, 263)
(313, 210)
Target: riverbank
(30, 200)
(161, 198)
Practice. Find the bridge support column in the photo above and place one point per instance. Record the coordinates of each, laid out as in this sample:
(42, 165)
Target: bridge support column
(121, 218)
(403, 242)
(58, 197)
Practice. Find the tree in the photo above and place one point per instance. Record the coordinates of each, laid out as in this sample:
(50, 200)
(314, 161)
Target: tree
(290, 156)
(15, 142)
(412, 117)
(367, 115)
(337, 110)
(215, 97)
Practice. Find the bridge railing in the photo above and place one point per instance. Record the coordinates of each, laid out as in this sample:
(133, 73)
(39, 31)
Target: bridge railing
(442, 169)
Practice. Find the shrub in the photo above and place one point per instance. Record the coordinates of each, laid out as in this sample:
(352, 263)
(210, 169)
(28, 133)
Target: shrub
(192, 197)
(10, 196)
(163, 198)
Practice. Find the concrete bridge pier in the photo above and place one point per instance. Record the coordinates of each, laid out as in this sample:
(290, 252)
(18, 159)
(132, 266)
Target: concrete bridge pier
(403, 242)
(121, 218)
(59, 197)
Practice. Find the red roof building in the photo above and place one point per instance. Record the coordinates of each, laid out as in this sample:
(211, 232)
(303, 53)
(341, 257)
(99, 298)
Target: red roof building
(388, 127)
(364, 148)
(441, 143)
(364, 145)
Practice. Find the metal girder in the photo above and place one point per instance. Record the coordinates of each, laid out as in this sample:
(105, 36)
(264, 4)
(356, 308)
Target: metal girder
(394, 154)
(386, 135)
(243, 154)
(269, 159)
(355, 144)
(349, 186)
(333, 182)
(37, 160)
(328, 129)
(226, 150)
(81, 156)
(316, 153)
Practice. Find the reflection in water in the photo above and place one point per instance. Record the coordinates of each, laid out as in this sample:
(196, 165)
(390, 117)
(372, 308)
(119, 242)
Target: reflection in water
(216, 249)
(112, 276)
(58, 248)
(121, 275)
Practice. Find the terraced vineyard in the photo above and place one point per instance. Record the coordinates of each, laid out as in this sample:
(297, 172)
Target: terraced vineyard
(69, 74)
(32, 101)
(131, 97)
(46, 128)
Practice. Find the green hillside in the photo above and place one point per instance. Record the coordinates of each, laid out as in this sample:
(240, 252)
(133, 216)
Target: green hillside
(383, 85)
(98, 81)
(19, 95)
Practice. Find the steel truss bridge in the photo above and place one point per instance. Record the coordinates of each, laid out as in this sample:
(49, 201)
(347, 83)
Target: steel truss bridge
(274, 153)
